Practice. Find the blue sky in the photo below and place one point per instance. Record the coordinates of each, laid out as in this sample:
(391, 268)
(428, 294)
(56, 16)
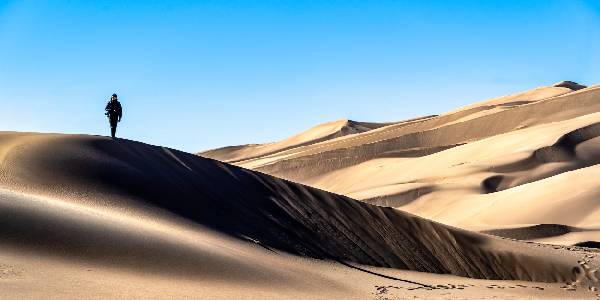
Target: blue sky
(195, 75)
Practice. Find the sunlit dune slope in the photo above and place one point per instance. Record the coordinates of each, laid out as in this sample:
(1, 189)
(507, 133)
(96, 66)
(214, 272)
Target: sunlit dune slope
(125, 204)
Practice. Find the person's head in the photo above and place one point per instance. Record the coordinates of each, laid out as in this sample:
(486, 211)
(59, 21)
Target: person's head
(113, 97)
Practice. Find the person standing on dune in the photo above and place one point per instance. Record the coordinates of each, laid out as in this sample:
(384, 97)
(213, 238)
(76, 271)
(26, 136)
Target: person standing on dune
(114, 111)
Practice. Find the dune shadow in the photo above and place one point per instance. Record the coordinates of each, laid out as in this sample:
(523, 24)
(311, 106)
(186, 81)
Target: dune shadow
(539, 231)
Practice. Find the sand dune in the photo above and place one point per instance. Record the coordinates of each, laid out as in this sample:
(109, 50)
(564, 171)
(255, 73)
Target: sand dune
(99, 209)
(534, 153)
(319, 133)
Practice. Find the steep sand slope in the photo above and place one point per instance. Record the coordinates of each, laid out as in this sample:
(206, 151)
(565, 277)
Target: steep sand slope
(128, 208)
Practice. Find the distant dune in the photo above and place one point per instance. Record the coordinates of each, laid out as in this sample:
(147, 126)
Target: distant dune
(514, 161)
(86, 215)
(319, 133)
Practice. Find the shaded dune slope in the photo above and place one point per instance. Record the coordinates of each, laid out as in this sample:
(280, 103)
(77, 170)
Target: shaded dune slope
(534, 232)
(563, 151)
(96, 172)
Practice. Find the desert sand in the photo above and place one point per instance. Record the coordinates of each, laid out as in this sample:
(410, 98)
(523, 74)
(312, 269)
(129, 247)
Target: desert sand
(92, 217)
(518, 166)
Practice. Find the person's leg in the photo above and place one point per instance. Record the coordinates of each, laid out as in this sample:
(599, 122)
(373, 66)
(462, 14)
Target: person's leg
(113, 126)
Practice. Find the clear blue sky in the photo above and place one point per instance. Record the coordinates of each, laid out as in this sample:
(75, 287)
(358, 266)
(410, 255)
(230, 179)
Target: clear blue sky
(194, 75)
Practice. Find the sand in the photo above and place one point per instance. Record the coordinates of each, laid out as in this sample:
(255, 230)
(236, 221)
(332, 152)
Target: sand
(510, 162)
(87, 216)
(319, 133)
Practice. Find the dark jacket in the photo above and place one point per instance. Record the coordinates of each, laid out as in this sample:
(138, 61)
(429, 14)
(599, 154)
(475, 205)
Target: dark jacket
(114, 109)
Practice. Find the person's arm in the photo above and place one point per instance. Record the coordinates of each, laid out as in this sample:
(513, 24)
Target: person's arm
(120, 108)
(107, 109)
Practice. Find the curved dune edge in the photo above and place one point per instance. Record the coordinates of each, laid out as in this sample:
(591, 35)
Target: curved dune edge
(534, 231)
(121, 176)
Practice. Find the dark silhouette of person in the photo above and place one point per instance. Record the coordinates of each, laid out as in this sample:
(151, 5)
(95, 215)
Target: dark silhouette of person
(114, 111)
